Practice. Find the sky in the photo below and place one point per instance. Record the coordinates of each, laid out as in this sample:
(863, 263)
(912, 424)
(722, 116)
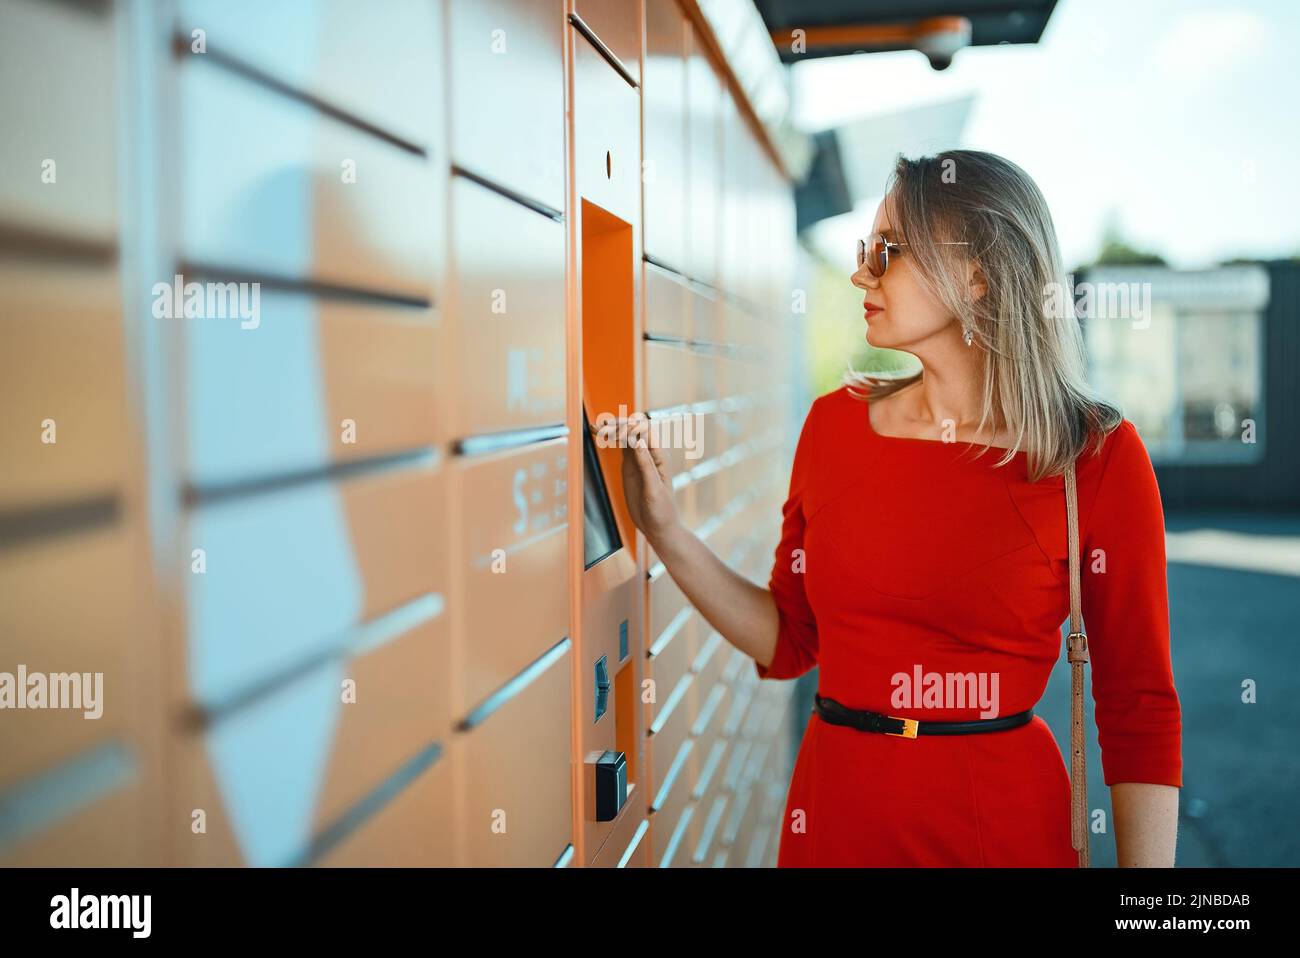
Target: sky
(1176, 120)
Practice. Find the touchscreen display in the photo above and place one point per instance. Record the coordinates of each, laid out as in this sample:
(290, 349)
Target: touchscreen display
(600, 531)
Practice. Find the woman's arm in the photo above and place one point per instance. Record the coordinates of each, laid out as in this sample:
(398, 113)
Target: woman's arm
(774, 626)
(1146, 824)
(1126, 616)
(744, 612)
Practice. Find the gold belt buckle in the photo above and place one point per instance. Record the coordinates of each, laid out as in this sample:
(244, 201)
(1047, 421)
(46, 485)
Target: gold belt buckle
(909, 727)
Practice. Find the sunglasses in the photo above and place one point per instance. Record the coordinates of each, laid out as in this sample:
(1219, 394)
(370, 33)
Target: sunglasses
(873, 253)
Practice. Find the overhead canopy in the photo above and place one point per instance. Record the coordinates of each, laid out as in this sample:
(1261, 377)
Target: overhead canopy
(837, 27)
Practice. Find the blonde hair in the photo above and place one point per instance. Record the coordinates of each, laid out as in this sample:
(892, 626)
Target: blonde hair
(1034, 379)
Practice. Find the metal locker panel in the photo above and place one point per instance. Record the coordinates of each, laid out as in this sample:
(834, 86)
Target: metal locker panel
(413, 829)
(255, 770)
(706, 325)
(713, 765)
(606, 134)
(57, 94)
(712, 813)
(669, 375)
(321, 201)
(108, 833)
(707, 726)
(669, 731)
(667, 303)
(507, 125)
(380, 69)
(710, 662)
(664, 821)
(731, 199)
(704, 104)
(710, 439)
(63, 363)
(738, 325)
(517, 771)
(401, 707)
(513, 563)
(321, 381)
(731, 376)
(669, 661)
(617, 24)
(506, 313)
(707, 501)
(706, 375)
(291, 573)
(68, 605)
(668, 608)
(674, 835)
(633, 828)
(663, 103)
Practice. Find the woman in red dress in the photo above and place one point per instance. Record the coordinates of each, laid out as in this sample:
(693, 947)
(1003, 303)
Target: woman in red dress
(923, 561)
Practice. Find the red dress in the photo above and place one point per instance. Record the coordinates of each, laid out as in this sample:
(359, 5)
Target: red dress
(918, 558)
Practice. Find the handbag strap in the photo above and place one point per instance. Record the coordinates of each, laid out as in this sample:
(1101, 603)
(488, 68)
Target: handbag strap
(1076, 645)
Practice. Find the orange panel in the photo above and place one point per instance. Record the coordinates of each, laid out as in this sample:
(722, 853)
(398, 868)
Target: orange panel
(664, 104)
(106, 834)
(629, 847)
(706, 327)
(616, 23)
(320, 200)
(507, 91)
(606, 134)
(402, 704)
(415, 829)
(668, 733)
(666, 303)
(506, 312)
(669, 375)
(673, 835)
(517, 775)
(704, 98)
(708, 723)
(380, 69)
(713, 758)
(67, 52)
(711, 660)
(347, 381)
(711, 814)
(671, 650)
(62, 361)
(360, 548)
(513, 507)
(67, 606)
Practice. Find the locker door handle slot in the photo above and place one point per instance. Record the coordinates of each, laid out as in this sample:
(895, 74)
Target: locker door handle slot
(602, 687)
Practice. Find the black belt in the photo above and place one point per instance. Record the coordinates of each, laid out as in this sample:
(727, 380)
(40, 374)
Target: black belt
(837, 714)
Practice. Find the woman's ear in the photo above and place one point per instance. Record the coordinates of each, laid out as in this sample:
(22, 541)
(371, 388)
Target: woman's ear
(976, 281)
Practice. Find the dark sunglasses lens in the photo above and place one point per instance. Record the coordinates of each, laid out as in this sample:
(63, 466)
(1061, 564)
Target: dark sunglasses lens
(877, 256)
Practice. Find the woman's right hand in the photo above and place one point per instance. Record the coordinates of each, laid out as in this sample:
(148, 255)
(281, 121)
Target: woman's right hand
(647, 484)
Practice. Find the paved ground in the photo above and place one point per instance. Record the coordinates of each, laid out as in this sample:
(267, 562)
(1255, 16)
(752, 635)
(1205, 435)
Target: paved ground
(1241, 763)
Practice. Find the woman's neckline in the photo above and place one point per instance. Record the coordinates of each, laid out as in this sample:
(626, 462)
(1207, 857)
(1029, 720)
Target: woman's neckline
(871, 430)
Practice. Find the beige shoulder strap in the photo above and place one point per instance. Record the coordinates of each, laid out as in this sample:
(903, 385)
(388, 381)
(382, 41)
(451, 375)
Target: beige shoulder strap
(1076, 645)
